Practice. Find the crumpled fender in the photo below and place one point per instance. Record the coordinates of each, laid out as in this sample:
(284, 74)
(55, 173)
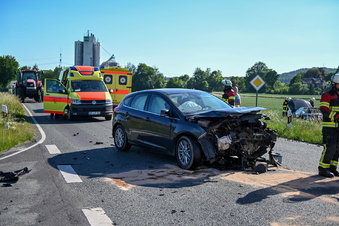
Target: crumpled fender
(207, 147)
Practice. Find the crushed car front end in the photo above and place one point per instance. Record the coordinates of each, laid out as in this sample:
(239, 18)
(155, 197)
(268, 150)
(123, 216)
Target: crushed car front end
(235, 138)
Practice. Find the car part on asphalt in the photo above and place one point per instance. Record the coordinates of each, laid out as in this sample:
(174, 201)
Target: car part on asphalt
(10, 176)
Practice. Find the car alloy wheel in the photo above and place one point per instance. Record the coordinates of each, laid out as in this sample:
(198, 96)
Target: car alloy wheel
(120, 138)
(188, 153)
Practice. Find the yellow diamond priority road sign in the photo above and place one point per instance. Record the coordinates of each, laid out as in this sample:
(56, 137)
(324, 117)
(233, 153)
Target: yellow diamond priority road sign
(257, 82)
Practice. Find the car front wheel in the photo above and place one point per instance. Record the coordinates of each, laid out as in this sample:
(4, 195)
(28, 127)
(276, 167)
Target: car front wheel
(188, 153)
(120, 139)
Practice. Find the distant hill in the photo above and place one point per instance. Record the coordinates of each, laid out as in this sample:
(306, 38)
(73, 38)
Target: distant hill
(286, 77)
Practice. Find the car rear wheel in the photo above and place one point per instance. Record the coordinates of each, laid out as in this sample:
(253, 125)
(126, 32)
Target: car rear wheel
(188, 153)
(120, 139)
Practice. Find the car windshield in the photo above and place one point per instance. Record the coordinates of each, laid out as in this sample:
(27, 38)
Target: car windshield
(88, 86)
(194, 102)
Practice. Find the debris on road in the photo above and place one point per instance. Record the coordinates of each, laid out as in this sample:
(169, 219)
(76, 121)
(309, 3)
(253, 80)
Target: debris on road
(9, 176)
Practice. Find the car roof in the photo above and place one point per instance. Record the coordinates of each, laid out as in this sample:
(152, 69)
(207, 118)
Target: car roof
(168, 91)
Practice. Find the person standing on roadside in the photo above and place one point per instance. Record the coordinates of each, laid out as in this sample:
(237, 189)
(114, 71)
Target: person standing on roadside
(228, 92)
(237, 98)
(329, 107)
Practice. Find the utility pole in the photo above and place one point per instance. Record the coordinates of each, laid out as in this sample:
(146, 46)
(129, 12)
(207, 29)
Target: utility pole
(60, 61)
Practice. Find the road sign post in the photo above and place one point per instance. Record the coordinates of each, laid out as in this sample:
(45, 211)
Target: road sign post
(257, 83)
(4, 110)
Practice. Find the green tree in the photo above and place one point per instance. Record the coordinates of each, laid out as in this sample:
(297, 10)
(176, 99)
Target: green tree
(184, 79)
(280, 88)
(201, 78)
(8, 68)
(51, 73)
(270, 78)
(25, 68)
(239, 82)
(175, 82)
(315, 73)
(147, 77)
(191, 83)
(311, 89)
(297, 78)
(214, 81)
(297, 88)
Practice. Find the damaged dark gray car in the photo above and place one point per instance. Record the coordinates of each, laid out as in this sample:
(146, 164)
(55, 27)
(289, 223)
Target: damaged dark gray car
(195, 126)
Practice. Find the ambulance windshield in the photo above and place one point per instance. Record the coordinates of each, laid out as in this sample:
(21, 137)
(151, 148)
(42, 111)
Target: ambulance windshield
(88, 86)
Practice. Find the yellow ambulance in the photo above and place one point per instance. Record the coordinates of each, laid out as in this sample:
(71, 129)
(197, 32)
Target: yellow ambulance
(79, 91)
(119, 80)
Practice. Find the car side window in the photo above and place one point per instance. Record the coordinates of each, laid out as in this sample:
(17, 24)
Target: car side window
(156, 104)
(128, 100)
(139, 101)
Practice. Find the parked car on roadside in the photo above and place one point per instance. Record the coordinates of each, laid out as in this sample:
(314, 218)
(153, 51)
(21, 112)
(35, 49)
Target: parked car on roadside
(193, 125)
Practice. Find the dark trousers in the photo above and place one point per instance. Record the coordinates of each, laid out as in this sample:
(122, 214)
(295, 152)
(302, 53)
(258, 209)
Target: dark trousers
(330, 154)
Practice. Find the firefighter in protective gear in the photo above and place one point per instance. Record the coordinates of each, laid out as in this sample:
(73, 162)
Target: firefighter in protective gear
(285, 106)
(329, 107)
(312, 100)
(229, 94)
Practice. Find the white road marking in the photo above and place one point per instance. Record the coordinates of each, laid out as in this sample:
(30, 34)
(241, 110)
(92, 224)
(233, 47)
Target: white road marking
(69, 174)
(53, 149)
(43, 136)
(97, 216)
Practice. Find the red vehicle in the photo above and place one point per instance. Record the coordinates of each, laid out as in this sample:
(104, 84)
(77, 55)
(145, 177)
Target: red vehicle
(29, 85)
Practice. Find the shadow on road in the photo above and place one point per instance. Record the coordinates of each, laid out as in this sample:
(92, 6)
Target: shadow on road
(297, 190)
(136, 167)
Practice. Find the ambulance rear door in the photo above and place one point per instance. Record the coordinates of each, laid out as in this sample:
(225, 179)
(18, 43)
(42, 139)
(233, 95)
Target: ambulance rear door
(120, 83)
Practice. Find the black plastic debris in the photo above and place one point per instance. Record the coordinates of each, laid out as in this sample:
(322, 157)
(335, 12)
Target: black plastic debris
(9, 176)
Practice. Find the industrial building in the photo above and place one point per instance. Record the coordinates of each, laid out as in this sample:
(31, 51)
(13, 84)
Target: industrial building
(87, 53)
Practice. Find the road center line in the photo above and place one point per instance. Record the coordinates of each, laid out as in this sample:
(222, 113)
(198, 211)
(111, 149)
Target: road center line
(69, 174)
(53, 149)
(97, 216)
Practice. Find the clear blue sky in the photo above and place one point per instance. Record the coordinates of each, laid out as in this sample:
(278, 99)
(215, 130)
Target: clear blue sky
(176, 36)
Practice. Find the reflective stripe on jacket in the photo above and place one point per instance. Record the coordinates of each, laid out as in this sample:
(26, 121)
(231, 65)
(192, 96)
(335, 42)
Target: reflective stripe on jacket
(329, 107)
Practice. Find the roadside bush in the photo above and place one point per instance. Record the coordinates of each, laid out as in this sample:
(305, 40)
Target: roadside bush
(14, 129)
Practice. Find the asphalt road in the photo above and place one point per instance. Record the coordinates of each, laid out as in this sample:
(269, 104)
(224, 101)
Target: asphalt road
(77, 177)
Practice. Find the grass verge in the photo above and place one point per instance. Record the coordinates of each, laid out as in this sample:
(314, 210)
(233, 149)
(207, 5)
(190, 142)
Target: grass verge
(301, 130)
(15, 128)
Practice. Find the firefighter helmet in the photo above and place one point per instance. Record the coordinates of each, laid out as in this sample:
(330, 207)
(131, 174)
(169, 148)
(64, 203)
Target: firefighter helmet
(335, 78)
(288, 98)
(312, 99)
(226, 82)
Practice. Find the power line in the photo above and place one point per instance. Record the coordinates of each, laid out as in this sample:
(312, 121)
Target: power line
(106, 51)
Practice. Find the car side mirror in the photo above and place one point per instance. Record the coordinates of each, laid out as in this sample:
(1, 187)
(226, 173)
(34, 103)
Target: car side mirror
(110, 90)
(164, 112)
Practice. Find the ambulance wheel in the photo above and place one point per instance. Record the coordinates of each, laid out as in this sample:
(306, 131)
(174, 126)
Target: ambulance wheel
(70, 117)
(52, 115)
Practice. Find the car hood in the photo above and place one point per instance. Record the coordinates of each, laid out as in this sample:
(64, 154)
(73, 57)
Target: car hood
(227, 112)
